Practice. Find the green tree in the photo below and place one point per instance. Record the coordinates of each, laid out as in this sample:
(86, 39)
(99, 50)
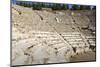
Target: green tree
(75, 7)
(36, 6)
(20, 3)
(25, 4)
(56, 7)
(64, 6)
(29, 5)
(94, 8)
(83, 7)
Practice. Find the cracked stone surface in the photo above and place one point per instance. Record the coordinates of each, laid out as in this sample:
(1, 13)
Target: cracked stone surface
(41, 37)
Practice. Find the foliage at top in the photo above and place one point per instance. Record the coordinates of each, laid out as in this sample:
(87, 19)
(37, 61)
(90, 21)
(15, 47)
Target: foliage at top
(53, 6)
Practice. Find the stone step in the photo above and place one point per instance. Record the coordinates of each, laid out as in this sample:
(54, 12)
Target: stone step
(54, 42)
(93, 44)
(90, 37)
(46, 36)
(91, 41)
(75, 40)
(78, 45)
(59, 45)
(75, 45)
(77, 37)
(70, 35)
(53, 39)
